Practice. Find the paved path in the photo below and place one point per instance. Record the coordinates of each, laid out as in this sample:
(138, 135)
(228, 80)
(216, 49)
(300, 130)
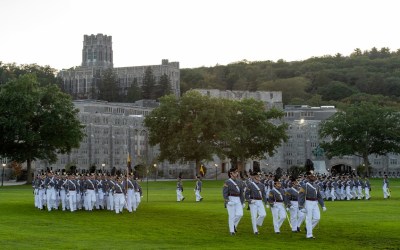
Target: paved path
(13, 183)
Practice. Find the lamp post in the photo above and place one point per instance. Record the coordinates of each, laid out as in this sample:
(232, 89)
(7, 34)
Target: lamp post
(156, 173)
(2, 174)
(216, 168)
(102, 166)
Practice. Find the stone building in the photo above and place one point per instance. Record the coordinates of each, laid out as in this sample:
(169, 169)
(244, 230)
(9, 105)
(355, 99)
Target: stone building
(81, 82)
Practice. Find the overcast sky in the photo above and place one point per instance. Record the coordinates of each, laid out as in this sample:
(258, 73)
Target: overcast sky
(194, 32)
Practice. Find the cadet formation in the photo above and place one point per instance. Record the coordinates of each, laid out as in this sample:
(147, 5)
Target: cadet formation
(296, 200)
(86, 192)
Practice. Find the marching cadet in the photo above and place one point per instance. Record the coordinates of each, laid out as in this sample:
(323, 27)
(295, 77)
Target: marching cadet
(50, 184)
(197, 189)
(292, 204)
(138, 192)
(385, 187)
(111, 184)
(334, 186)
(255, 196)
(35, 186)
(90, 191)
(61, 186)
(100, 191)
(309, 197)
(130, 196)
(234, 200)
(72, 189)
(349, 196)
(367, 188)
(179, 190)
(119, 195)
(276, 200)
(360, 185)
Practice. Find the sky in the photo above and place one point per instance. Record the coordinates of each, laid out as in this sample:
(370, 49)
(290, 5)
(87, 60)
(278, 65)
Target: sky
(194, 33)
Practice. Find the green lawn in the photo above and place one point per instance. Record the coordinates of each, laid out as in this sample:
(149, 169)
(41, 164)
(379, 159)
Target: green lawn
(163, 223)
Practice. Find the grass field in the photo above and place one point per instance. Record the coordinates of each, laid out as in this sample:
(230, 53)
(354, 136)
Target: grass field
(163, 223)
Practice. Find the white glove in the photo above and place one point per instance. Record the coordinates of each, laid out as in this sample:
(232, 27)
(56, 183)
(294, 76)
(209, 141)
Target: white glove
(267, 206)
(253, 201)
(244, 205)
(303, 210)
(323, 209)
(230, 203)
(287, 209)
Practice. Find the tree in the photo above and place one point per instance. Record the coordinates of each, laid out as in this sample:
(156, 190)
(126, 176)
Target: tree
(252, 131)
(134, 92)
(164, 86)
(148, 85)
(361, 129)
(36, 122)
(184, 127)
(109, 89)
(196, 127)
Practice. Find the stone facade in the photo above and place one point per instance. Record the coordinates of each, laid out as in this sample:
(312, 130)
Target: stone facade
(97, 55)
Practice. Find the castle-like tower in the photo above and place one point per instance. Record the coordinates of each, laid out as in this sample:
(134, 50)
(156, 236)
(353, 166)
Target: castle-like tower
(97, 51)
(97, 55)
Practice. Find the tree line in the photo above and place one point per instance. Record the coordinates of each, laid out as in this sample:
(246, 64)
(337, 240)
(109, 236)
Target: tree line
(326, 80)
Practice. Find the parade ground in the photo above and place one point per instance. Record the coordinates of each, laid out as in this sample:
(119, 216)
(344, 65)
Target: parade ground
(161, 222)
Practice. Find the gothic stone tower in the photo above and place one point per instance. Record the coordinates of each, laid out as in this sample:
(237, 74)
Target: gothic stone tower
(97, 51)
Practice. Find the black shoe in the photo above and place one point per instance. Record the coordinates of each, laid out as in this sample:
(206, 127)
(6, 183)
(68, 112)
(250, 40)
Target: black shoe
(183, 199)
(234, 228)
(232, 233)
(311, 238)
(298, 229)
(201, 199)
(278, 232)
(256, 233)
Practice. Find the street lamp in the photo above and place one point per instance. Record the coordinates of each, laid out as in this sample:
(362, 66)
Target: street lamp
(2, 174)
(216, 167)
(102, 166)
(155, 167)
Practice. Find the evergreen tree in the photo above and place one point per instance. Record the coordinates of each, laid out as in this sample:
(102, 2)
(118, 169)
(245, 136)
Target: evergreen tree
(134, 92)
(164, 86)
(149, 83)
(109, 89)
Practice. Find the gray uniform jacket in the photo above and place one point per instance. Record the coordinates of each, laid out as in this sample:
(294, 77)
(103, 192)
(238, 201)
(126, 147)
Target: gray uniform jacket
(310, 191)
(233, 188)
(255, 191)
(276, 195)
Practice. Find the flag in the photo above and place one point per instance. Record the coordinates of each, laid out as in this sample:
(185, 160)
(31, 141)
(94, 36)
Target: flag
(129, 163)
(202, 170)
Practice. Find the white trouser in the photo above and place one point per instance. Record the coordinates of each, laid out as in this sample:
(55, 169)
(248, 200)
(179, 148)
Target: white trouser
(119, 201)
(110, 204)
(366, 190)
(313, 216)
(131, 200)
(138, 199)
(179, 195)
(258, 213)
(278, 215)
(333, 194)
(385, 191)
(296, 216)
(51, 198)
(99, 199)
(36, 197)
(360, 193)
(197, 194)
(72, 197)
(348, 193)
(235, 212)
(91, 199)
(63, 200)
